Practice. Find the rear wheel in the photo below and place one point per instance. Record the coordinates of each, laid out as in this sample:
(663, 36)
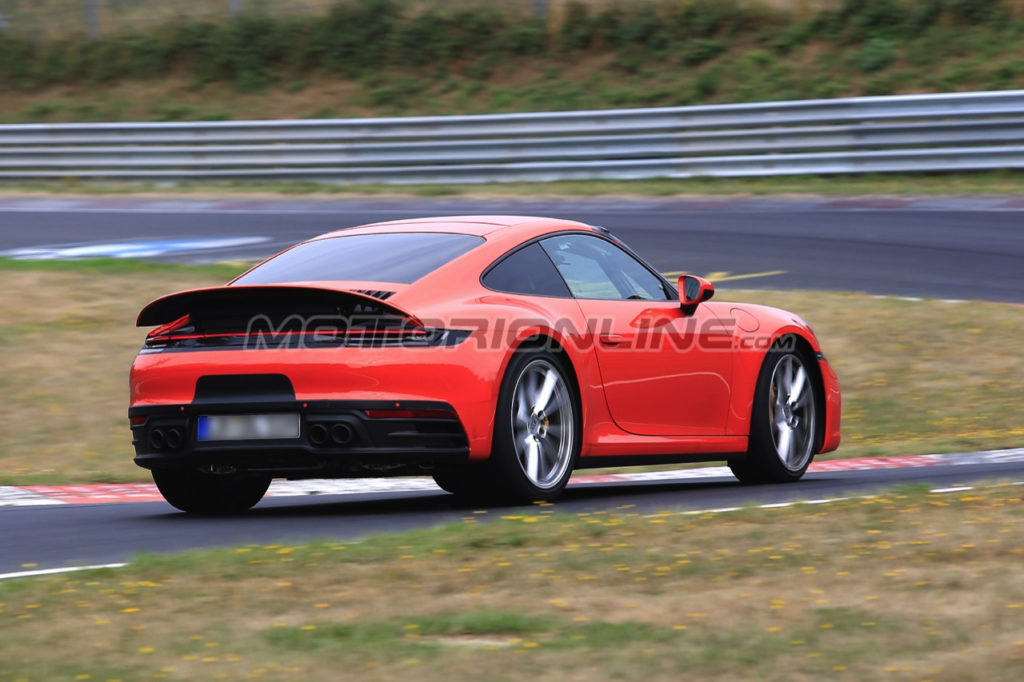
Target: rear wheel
(784, 421)
(537, 433)
(467, 481)
(537, 429)
(199, 493)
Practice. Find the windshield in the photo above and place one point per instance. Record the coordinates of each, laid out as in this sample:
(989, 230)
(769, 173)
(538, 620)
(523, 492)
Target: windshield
(401, 257)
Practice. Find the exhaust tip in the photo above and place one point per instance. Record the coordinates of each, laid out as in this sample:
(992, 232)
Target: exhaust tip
(318, 434)
(342, 434)
(157, 439)
(174, 438)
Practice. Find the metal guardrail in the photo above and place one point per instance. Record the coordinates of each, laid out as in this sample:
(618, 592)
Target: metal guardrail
(865, 134)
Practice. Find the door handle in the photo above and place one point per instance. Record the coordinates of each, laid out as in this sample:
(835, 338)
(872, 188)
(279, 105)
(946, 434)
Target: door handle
(613, 339)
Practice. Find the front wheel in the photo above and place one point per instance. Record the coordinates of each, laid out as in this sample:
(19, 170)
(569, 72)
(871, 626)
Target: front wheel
(198, 493)
(784, 421)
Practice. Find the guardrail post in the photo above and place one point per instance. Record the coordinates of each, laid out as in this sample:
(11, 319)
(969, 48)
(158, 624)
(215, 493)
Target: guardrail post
(541, 8)
(234, 7)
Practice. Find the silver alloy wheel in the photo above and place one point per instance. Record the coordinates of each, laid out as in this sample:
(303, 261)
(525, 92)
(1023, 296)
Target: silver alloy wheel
(791, 412)
(543, 425)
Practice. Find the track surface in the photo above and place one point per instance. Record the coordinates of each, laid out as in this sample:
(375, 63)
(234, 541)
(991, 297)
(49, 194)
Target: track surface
(943, 248)
(950, 249)
(97, 534)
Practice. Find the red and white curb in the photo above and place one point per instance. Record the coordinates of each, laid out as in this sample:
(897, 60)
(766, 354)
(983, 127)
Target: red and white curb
(102, 493)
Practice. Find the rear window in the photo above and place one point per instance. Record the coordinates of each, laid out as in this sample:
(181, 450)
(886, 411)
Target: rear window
(397, 257)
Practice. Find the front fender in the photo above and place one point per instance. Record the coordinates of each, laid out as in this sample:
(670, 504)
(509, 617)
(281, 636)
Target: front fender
(758, 330)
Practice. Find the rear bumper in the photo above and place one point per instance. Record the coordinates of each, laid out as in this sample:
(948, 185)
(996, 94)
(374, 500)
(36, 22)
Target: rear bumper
(463, 377)
(337, 438)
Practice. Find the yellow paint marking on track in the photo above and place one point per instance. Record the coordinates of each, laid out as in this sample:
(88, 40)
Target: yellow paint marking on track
(726, 275)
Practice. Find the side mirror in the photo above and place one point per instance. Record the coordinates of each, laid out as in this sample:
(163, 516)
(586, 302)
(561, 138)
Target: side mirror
(693, 291)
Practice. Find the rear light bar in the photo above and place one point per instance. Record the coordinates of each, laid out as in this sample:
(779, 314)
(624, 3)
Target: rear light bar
(164, 337)
(410, 414)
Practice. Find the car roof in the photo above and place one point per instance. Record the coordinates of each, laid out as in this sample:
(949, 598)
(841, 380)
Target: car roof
(478, 225)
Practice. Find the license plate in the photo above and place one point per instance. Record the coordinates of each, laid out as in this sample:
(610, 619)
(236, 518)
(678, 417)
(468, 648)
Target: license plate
(247, 427)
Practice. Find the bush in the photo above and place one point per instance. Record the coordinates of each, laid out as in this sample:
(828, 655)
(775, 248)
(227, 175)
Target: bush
(358, 38)
(524, 38)
(869, 18)
(793, 36)
(643, 28)
(39, 111)
(876, 55)
(702, 50)
(706, 85)
(708, 18)
(17, 57)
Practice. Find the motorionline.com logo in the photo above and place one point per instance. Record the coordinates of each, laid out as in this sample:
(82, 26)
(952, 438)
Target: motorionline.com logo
(652, 334)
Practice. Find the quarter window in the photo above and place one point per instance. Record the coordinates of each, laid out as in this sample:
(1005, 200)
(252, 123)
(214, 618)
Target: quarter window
(527, 271)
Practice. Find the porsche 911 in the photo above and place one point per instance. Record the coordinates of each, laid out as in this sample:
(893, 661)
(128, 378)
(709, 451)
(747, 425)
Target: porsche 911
(495, 353)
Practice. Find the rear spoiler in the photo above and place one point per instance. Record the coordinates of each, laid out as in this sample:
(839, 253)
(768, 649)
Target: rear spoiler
(175, 306)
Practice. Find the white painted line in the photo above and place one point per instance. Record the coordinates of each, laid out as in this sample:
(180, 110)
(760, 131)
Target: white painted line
(56, 571)
(720, 510)
(823, 500)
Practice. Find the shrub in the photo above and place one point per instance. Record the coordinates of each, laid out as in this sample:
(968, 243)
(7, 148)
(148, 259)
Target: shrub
(523, 38)
(17, 56)
(706, 85)
(702, 50)
(38, 111)
(357, 36)
(793, 36)
(876, 55)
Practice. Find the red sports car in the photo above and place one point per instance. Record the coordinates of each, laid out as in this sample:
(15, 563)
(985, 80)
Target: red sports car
(495, 353)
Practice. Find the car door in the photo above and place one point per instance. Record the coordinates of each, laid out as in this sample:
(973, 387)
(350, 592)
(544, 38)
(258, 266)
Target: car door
(664, 373)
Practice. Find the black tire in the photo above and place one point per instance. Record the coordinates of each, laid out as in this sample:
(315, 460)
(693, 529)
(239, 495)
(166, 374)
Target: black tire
(784, 423)
(472, 483)
(198, 493)
(537, 471)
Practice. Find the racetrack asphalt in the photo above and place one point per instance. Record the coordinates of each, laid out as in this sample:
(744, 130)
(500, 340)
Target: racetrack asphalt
(68, 535)
(948, 249)
(940, 248)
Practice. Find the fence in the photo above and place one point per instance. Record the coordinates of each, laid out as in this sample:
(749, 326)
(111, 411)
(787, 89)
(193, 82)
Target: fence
(912, 133)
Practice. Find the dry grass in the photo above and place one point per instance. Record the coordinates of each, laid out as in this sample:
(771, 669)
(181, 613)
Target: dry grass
(917, 377)
(905, 586)
(68, 339)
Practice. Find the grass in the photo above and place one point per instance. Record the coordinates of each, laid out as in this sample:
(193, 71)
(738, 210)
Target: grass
(907, 585)
(917, 377)
(987, 183)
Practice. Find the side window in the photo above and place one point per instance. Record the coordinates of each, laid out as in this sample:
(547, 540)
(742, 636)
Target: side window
(527, 271)
(595, 268)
